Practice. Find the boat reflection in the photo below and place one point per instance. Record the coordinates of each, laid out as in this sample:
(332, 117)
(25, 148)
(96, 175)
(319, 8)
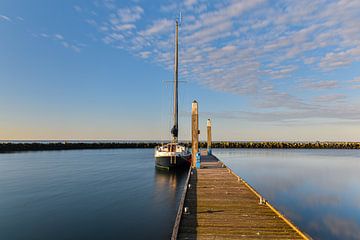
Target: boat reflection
(169, 182)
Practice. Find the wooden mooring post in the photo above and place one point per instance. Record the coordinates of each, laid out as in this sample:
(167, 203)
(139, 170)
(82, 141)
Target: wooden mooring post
(208, 124)
(194, 132)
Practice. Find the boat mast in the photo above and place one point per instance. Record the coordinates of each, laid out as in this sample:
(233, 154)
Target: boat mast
(175, 128)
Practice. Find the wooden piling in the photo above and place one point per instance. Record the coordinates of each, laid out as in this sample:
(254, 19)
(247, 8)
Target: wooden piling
(194, 132)
(209, 139)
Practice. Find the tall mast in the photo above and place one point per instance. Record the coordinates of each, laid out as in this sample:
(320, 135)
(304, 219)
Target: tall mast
(175, 128)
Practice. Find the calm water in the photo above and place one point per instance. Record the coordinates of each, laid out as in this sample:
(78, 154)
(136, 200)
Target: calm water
(86, 194)
(118, 194)
(318, 189)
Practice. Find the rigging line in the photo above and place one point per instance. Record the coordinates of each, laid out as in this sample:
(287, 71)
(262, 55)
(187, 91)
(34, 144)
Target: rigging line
(184, 93)
(166, 111)
(162, 113)
(170, 112)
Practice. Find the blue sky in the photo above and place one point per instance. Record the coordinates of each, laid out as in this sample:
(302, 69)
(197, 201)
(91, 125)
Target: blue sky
(261, 70)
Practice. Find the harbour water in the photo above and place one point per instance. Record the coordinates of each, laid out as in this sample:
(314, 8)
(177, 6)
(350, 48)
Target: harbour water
(118, 194)
(87, 194)
(317, 189)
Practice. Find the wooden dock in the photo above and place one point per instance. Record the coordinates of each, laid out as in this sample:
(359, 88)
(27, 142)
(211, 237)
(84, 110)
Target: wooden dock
(218, 204)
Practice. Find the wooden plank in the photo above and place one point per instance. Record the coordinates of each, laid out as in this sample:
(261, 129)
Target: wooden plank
(180, 209)
(223, 206)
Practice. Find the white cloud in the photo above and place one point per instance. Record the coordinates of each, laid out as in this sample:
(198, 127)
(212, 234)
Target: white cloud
(335, 60)
(71, 46)
(78, 8)
(190, 2)
(355, 80)
(44, 35)
(159, 26)
(128, 15)
(229, 48)
(110, 4)
(320, 84)
(330, 98)
(145, 54)
(60, 39)
(335, 111)
(5, 18)
(354, 83)
(122, 27)
(58, 36)
(172, 7)
(249, 47)
(355, 87)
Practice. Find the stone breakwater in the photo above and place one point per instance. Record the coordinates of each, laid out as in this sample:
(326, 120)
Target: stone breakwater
(35, 146)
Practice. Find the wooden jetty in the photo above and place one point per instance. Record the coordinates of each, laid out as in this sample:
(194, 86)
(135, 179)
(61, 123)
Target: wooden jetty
(218, 204)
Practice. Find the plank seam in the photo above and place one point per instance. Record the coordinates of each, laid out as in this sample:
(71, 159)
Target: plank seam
(267, 203)
(180, 209)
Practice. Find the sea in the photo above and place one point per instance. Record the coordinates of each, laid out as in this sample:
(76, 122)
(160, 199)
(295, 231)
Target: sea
(119, 194)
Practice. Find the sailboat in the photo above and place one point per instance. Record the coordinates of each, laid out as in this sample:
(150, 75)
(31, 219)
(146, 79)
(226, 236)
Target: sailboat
(173, 154)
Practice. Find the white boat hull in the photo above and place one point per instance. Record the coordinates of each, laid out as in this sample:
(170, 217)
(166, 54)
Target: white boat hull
(172, 156)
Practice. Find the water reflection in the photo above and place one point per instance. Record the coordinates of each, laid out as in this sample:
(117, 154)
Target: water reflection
(166, 179)
(87, 194)
(169, 181)
(317, 189)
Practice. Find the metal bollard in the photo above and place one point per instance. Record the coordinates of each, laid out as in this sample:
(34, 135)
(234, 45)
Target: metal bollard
(262, 200)
(186, 210)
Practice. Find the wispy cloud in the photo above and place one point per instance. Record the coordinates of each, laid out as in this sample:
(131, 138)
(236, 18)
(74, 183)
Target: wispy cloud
(266, 33)
(145, 54)
(78, 8)
(5, 18)
(190, 2)
(173, 6)
(128, 15)
(355, 83)
(330, 98)
(338, 59)
(355, 80)
(340, 111)
(59, 38)
(158, 27)
(245, 47)
(320, 84)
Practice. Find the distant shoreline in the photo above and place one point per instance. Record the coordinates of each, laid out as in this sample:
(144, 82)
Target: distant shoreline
(36, 146)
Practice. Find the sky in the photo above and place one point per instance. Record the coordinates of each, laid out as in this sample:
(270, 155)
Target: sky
(101, 70)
